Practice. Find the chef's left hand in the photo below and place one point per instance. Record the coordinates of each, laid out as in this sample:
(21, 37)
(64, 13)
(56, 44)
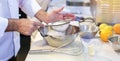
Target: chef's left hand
(56, 15)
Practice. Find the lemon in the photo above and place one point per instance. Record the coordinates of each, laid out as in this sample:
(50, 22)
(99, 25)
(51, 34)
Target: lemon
(102, 26)
(108, 28)
(105, 34)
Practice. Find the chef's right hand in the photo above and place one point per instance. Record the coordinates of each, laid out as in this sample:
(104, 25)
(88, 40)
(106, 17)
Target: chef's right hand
(27, 27)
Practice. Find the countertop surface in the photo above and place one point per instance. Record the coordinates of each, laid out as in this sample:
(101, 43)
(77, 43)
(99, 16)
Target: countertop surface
(92, 49)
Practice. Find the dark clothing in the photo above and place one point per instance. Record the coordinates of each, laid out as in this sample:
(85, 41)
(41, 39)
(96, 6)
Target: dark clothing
(24, 43)
(12, 59)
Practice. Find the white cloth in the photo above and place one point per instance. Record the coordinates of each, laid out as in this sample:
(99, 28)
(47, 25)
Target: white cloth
(9, 41)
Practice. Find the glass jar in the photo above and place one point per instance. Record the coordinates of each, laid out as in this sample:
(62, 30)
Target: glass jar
(106, 11)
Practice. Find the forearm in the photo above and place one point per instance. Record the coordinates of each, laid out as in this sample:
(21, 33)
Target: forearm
(42, 16)
(12, 25)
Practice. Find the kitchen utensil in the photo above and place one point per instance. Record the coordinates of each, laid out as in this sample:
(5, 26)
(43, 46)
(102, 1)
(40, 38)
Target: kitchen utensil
(106, 11)
(115, 42)
(88, 29)
(59, 34)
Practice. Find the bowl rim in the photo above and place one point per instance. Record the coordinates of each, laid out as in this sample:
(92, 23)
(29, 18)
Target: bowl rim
(115, 36)
(64, 23)
(96, 30)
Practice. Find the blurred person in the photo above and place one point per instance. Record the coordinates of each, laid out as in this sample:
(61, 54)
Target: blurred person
(43, 3)
(11, 25)
(25, 41)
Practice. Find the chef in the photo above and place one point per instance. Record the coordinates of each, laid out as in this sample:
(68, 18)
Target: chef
(11, 25)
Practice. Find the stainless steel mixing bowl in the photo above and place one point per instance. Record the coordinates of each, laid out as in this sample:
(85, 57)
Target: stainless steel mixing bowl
(88, 29)
(115, 43)
(59, 34)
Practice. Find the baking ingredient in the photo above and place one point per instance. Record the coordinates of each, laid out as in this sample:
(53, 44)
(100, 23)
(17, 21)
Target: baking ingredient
(102, 26)
(105, 34)
(105, 27)
(108, 27)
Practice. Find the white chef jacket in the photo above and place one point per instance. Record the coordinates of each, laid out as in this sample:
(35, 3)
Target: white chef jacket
(9, 41)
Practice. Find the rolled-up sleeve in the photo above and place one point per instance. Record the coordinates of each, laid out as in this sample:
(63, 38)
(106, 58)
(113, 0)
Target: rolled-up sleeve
(30, 7)
(3, 26)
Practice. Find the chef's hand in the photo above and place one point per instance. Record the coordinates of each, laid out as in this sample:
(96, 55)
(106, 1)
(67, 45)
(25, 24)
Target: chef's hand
(27, 27)
(24, 26)
(53, 16)
(56, 15)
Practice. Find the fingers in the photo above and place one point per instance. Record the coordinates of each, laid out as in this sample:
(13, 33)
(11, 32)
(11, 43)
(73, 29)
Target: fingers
(37, 25)
(65, 15)
(59, 10)
(68, 16)
(27, 27)
(60, 17)
(34, 26)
